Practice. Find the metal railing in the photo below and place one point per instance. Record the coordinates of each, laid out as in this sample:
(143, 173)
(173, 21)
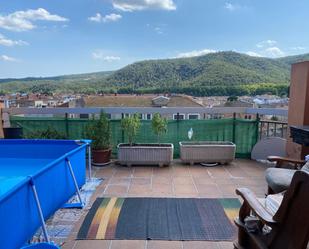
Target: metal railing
(269, 128)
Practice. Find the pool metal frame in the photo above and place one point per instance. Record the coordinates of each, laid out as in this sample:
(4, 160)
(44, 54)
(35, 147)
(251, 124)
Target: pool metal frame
(31, 181)
(79, 204)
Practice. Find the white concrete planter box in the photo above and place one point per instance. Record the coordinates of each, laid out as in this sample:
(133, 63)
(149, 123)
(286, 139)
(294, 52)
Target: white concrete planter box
(145, 154)
(207, 152)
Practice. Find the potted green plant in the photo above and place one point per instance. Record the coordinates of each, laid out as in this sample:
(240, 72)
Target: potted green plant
(132, 153)
(159, 125)
(99, 131)
(130, 126)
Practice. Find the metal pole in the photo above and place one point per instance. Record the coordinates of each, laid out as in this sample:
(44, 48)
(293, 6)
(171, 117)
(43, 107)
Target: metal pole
(37, 201)
(234, 128)
(89, 161)
(122, 130)
(67, 125)
(75, 182)
(257, 127)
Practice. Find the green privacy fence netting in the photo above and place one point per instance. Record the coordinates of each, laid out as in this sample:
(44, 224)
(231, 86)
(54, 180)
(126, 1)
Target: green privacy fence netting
(242, 132)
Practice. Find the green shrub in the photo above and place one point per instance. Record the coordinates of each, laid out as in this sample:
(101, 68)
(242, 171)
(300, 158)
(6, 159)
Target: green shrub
(99, 131)
(49, 133)
(159, 125)
(130, 126)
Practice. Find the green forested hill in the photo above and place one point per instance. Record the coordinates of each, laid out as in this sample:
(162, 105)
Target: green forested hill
(212, 74)
(223, 68)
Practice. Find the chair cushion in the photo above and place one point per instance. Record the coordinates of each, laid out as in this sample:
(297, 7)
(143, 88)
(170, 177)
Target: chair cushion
(272, 202)
(279, 179)
(306, 167)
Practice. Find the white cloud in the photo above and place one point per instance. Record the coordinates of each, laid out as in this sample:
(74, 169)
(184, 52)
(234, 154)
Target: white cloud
(23, 20)
(298, 48)
(195, 53)
(267, 43)
(252, 53)
(10, 43)
(100, 55)
(112, 17)
(230, 6)
(96, 18)
(8, 58)
(134, 5)
(274, 52)
(158, 30)
(108, 18)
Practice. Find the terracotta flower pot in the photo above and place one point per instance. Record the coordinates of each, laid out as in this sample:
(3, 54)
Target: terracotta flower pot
(101, 157)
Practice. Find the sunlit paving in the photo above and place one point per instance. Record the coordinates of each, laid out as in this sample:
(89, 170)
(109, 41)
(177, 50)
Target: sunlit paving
(154, 124)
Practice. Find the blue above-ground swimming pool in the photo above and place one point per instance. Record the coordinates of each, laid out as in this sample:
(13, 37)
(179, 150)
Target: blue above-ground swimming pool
(45, 165)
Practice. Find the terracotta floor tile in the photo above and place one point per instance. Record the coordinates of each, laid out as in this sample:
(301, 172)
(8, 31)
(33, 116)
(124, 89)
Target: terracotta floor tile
(206, 187)
(162, 188)
(119, 181)
(184, 189)
(104, 172)
(162, 195)
(92, 244)
(187, 195)
(127, 244)
(161, 180)
(141, 181)
(200, 245)
(116, 190)
(199, 172)
(237, 172)
(228, 190)
(156, 244)
(182, 180)
(142, 172)
(123, 173)
(140, 189)
(249, 182)
(218, 172)
(226, 245)
(178, 180)
(220, 181)
(68, 245)
(203, 180)
(165, 171)
(181, 171)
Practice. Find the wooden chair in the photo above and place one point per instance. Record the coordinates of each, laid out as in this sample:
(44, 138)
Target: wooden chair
(280, 177)
(287, 162)
(289, 224)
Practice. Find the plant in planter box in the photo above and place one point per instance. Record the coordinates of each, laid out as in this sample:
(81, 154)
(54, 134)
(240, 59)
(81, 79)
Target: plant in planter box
(99, 131)
(144, 153)
(159, 125)
(130, 126)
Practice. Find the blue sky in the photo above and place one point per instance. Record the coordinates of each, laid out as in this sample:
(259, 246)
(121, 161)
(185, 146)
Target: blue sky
(55, 37)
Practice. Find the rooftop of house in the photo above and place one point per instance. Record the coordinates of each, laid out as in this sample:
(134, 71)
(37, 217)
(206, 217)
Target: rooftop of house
(138, 101)
(235, 103)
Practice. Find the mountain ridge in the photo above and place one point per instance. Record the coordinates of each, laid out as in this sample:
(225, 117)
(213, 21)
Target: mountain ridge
(220, 69)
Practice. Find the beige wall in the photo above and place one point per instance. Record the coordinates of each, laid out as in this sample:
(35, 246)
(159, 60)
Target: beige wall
(298, 106)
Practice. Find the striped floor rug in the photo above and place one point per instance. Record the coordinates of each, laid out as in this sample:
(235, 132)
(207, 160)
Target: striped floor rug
(161, 219)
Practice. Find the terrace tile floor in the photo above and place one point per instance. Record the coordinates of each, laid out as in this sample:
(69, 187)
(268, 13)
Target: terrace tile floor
(178, 180)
